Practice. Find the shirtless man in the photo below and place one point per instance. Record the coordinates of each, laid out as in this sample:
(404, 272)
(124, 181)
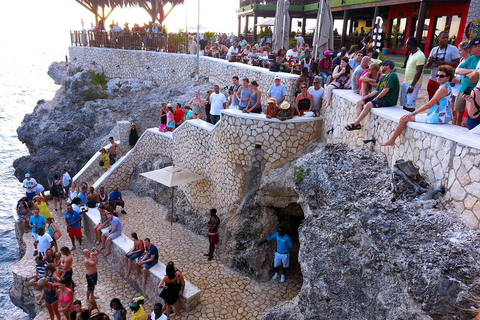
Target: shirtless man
(66, 267)
(212, 233)
(90, 262)
(112, 151)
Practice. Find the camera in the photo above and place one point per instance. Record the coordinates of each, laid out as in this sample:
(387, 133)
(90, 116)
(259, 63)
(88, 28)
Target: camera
(467, 91)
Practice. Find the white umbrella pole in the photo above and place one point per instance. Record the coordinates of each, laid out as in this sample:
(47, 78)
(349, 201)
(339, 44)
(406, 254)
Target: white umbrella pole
(171, 215)
(198, 41)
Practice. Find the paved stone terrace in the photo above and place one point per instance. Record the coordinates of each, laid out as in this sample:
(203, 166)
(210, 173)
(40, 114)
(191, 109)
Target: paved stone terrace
(226, 294)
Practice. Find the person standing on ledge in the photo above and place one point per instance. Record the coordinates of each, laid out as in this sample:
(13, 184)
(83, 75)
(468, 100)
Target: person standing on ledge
(112, 151)
(212, 233)
(282, 255)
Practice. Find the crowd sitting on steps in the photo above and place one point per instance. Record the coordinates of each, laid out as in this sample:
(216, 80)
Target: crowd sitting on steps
(453, 88)
(54, 267)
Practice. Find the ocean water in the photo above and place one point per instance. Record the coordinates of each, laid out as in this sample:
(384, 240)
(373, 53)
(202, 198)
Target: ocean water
(23, 81)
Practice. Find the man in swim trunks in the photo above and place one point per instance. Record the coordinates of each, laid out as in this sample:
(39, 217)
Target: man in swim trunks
(90, 262)
(29, 184)
(73, 219)
(112, 151)
(212, 233)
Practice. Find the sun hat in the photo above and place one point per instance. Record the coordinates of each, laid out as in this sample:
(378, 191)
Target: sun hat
(272, 100)
(285, 105)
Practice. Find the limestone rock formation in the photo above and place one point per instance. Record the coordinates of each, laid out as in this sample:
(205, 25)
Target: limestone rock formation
(68, 130)
(366, 257)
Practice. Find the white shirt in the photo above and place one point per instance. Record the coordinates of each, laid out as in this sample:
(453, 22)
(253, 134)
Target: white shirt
(292, 54)
(44, 242)
(216, 103)
(66, 179)
(162, 317)
(317, 96)
(233, 51)
(29, 183)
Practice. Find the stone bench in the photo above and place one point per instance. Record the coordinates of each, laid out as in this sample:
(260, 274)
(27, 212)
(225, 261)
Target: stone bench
(123, 244)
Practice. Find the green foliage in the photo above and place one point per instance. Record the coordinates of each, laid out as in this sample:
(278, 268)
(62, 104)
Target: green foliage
(98, 78)
(209, 36)
(380, 55)
(299, 173)
(96, 88)
(292, 42)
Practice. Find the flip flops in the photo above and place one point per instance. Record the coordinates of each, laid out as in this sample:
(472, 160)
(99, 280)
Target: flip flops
(353, 126)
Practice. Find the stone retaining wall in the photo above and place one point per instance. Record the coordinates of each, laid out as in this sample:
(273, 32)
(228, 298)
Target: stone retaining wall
(223, 154)
(448, 155)
(176, 68)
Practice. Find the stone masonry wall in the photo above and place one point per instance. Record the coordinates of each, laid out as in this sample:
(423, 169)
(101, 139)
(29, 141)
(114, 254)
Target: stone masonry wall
(443, 160)
(159, 66)
(222, 154)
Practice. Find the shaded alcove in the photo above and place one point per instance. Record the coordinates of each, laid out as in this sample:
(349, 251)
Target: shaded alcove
(291, 217)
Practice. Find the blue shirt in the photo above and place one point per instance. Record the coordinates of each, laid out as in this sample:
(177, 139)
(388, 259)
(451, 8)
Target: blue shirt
(353, 64)
(72, 217)
(83, 198)
(284, 243)
(277, 92)
(470, 63)
(39, 221)
(115, 196)
(118, 223)
(152, 251)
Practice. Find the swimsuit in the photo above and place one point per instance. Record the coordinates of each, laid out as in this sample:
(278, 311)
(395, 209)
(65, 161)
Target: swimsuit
(91, 281)
(196, 108)
(304, 104)
(50, 295)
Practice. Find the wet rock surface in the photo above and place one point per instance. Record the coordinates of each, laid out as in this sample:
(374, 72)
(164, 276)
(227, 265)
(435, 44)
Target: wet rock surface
(366, 257)
(68, 130)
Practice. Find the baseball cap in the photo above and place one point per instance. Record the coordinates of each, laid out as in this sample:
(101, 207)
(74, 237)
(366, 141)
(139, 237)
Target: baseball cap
(389, 63)
(327, 53)
(27, 175)
(475, 41)
(276, 77)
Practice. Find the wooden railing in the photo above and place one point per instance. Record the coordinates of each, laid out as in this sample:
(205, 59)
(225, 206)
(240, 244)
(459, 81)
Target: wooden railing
(129, 40)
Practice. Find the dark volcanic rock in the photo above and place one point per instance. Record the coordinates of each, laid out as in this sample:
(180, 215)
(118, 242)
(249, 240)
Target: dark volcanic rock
(366, 257)
(68, 130)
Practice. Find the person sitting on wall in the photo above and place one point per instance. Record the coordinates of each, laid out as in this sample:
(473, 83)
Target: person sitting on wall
(272, 108)
(385, 95)
(148, 260)
(233, 52)
(342, 78)
(285, 112)
(325, 66)
(115, 199)
(473, 108)
(369, 79)
(439, 107)
(292, 54)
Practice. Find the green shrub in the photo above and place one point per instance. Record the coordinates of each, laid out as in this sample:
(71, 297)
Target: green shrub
(299, 173)
(96, 88)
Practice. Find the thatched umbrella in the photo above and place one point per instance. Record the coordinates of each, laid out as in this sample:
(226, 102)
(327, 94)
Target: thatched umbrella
(95, 5)
(155, 8)
(281, 34)
(323, 37)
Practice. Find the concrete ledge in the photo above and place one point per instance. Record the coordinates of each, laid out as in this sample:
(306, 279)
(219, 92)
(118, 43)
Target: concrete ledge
(262, 117)
(448, 131)
(123, 244)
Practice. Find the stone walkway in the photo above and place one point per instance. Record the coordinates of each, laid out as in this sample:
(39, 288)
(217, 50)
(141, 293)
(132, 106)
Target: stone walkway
(226, 294)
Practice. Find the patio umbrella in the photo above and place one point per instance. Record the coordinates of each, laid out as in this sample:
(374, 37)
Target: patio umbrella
(281, 32)
(323, 37)
(267, 23)
(172, 177)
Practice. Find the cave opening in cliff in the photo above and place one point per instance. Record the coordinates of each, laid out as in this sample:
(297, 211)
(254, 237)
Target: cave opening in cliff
(291, 217)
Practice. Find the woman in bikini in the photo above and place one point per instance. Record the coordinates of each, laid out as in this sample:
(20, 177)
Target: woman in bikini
(51, 300)
(65, 298)
(304, 101)
(198, 106)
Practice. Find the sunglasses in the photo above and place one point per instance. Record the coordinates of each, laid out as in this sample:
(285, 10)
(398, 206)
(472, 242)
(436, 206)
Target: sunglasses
(359, 55)
(316, 82)
(304, 87)
(441, 76)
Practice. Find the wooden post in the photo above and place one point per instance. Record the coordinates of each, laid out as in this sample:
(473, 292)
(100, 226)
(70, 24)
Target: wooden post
(421, 21)
(239, 24)
(246, 26)
(304, 22)
(344, 29)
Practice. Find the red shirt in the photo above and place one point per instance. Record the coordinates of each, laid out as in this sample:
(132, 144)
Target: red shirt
(178, 115)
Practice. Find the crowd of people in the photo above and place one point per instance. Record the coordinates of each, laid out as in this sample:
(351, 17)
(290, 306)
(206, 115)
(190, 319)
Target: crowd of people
(452, 88)
(54, 266)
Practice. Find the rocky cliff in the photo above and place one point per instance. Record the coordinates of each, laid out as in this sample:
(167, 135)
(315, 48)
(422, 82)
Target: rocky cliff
(364, 255)
(68, 130)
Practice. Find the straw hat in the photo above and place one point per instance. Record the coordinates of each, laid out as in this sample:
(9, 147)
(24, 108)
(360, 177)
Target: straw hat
(285, 105)
(272, 100)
